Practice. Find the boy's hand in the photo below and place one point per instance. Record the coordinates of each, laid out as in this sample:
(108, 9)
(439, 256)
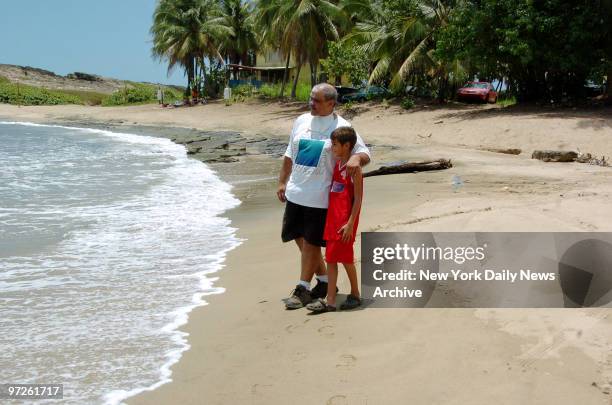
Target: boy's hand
(346, 231)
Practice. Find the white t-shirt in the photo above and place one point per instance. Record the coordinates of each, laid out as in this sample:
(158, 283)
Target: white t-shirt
(309, 149)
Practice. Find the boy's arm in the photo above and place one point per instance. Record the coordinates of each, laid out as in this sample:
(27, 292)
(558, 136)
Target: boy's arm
(347, 230)
(357, 197)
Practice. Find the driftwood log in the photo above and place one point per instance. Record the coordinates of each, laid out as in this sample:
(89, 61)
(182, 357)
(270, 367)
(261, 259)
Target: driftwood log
(439, 164)
(510, 151)
(554, 155)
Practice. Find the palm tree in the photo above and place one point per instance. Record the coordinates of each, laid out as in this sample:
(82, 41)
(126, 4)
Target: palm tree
(187, 31)
(270, 22)
(401, 40)
(301, 28)
(242, 40)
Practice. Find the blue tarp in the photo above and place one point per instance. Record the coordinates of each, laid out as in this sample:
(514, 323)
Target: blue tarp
(255, 83)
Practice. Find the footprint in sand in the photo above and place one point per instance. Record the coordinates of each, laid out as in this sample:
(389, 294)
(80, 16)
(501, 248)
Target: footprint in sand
(337, 400)
(298, 356)
(347, 362)
(291, 328)
(326, 330)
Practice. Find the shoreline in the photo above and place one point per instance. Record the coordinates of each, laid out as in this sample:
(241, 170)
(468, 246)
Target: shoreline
(249, 349)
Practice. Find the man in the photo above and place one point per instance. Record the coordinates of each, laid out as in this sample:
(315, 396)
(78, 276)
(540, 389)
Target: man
(304, 181)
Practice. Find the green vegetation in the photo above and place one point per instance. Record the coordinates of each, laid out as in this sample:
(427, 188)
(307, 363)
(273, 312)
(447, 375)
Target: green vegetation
(242, 93)
(345, 60)
(546, 50)
(185, 32)
(407, 103)
(12, 93)
(505, 101)
(86, 97)
(245, 92)
(140, 94)
(269, 91)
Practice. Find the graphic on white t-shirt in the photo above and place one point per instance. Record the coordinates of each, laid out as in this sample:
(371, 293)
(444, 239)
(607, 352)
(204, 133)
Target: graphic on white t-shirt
(309, 152)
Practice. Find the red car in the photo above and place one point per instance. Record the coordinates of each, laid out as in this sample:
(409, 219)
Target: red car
(480, 91)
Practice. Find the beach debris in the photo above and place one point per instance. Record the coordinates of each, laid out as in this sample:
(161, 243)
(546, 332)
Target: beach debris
(554, 155)
(590, 159)
(456, 182)
(569, 156)
(439, 122)
(413, 167)
(507, 151)
(425, 137)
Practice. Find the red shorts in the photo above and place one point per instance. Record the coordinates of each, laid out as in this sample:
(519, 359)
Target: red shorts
(337, 251)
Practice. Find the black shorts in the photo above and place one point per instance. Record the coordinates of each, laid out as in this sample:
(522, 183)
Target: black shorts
(304, 222)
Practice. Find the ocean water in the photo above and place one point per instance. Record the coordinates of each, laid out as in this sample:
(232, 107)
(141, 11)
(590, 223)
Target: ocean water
(107, 241)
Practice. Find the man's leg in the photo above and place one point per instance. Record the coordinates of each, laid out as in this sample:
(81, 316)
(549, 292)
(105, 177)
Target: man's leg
(312, 261)
(321, 270)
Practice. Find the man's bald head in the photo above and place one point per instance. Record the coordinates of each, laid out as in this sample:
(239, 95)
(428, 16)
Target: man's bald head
(323, 99)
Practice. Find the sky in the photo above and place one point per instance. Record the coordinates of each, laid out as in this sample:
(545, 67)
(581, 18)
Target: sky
(105, 37)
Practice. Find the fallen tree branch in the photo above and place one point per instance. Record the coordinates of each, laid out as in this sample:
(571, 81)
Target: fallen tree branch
(510, 151)
(439, 164)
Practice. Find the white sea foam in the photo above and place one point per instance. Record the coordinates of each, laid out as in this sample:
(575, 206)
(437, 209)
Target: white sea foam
(118, 268)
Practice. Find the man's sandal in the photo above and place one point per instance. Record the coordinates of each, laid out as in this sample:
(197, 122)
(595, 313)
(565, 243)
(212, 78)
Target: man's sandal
(320, 306)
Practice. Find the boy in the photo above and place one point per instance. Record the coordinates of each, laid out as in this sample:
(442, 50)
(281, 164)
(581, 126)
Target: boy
(341, 223)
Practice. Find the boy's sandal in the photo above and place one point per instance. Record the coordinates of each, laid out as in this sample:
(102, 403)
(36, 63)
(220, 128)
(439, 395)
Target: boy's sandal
(351, 302)
(320, 306)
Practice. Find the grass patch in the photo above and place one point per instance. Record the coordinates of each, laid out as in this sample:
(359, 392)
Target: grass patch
(21, 94)
(86, 97)
(506, 101)
(269, 91)
(140, 94)
(12, 93)
(407, 103)
(302, 91)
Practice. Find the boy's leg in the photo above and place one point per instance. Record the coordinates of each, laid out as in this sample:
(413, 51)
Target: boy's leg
(332, 274)
(351, 271)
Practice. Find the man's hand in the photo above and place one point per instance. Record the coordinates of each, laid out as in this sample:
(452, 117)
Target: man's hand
(355, 162)
(347, 232)
(283, 178)
(280, 193)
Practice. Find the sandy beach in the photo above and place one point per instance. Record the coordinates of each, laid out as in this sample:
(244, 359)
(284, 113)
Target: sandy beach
(246, 348)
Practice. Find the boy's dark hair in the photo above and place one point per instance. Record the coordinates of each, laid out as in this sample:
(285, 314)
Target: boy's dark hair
(344, 135)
